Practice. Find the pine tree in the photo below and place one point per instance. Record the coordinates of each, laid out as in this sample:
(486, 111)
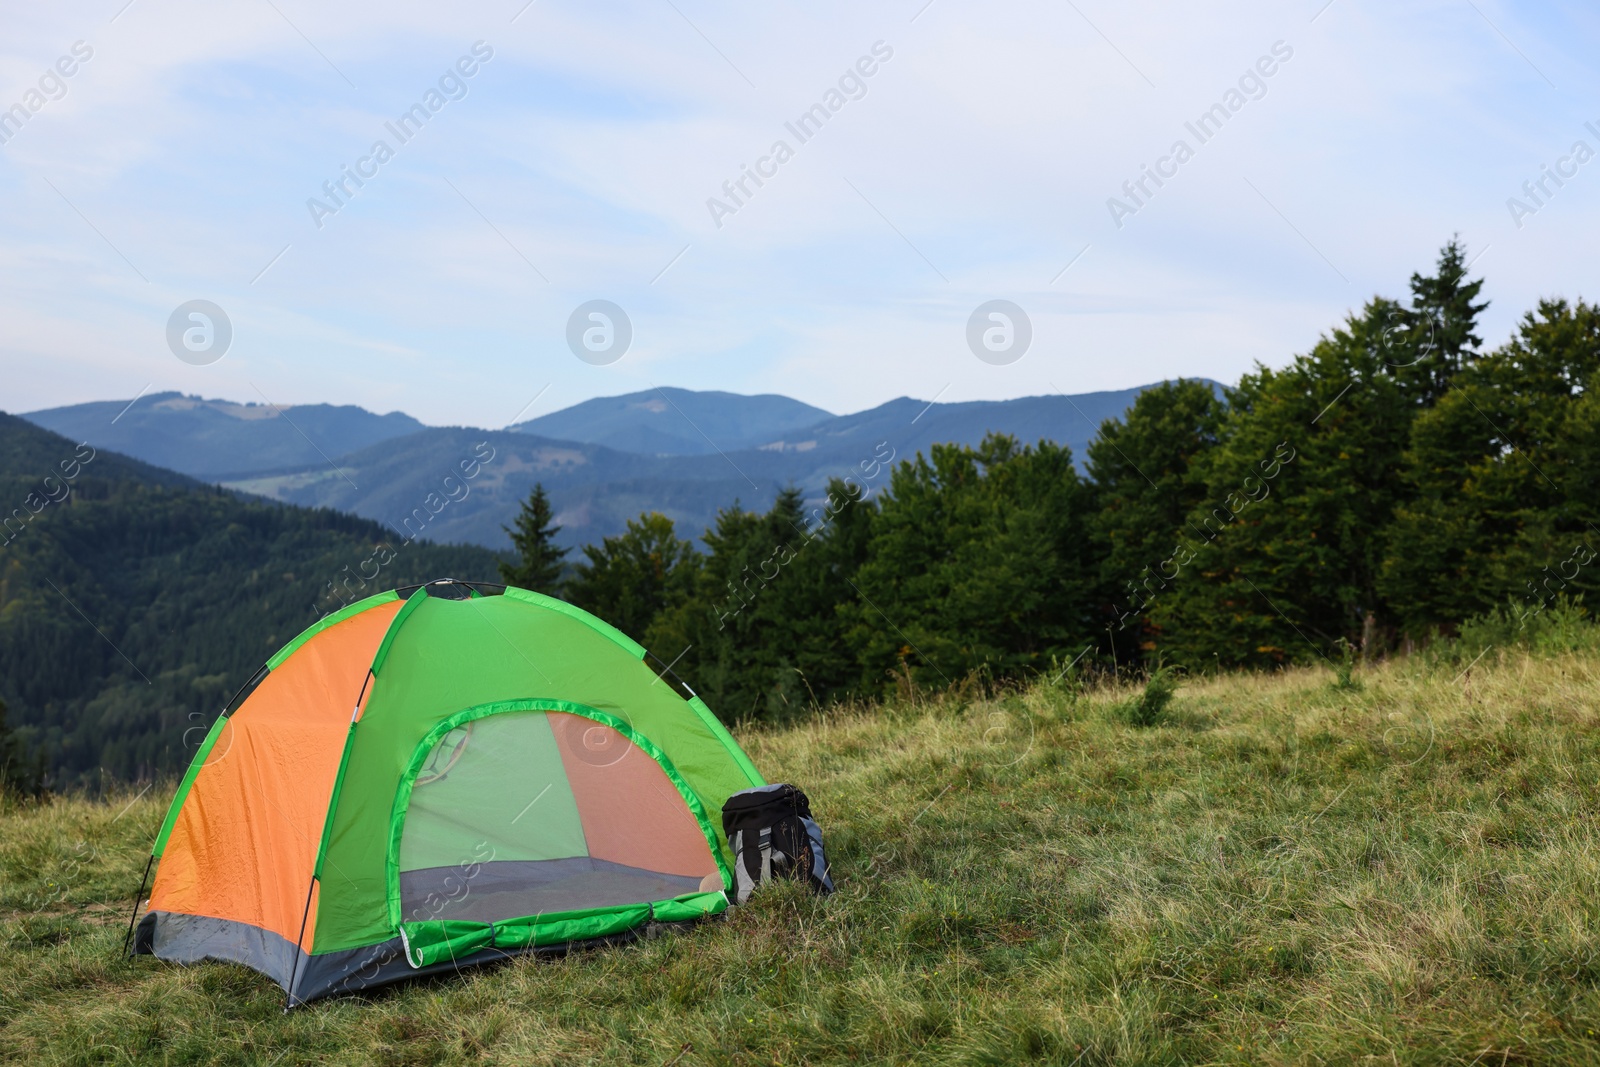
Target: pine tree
(539, 562)
(1428, 345)
(628, 579)
(1281, 558)
(1290, 545)
(734, 634)
(978, 562)
(1502, 474)
(812, 602)
(1146, 480)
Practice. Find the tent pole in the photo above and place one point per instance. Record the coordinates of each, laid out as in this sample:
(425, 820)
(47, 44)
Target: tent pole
(288, 994)
(668, 668)
(127, 940)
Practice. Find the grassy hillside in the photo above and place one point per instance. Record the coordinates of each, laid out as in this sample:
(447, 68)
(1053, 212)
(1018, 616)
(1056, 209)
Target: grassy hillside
(1279, 870)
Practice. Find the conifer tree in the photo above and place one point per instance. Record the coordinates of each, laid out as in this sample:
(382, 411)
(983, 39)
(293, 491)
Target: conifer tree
(1439, 337)
(978, 561)
(735, 634)
(539, 562)
(1502, 474)
(1147, 476)
(628, 579)
(1288, 564)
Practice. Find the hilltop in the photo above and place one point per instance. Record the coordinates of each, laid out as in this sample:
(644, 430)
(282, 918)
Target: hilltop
(1280, 870)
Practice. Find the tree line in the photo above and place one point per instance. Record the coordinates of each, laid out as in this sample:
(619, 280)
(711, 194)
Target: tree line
(1374, 493)
(1392, 484)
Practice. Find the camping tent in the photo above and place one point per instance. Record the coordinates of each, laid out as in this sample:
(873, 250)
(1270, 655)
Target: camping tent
(425, 781)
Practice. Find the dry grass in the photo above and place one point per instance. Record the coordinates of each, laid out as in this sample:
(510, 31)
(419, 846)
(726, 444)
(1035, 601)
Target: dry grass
(1278, 871)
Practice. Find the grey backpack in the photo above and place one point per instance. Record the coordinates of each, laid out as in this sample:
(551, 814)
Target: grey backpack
(772, 835)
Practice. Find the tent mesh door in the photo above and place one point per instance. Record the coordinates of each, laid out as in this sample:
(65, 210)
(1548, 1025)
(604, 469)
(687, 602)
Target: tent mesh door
(529, 813)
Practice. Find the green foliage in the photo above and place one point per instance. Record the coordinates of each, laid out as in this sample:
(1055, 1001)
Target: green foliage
(1284, 553)
(1564, 626)
(1344, 670)
(1429, 343)
(1500, 476)
(1149, 708)
(21, 772)
(538, 564)
(979, 559)
(973, 562)
(629, 579)
(1145, 482)
(1291, 543)
(739, 635)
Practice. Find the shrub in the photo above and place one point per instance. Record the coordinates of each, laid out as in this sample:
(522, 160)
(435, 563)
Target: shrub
(1345, 670)
(1563, 626)
(1150, 707)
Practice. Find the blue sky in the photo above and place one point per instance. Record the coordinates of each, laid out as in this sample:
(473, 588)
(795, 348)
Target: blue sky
(178, 163)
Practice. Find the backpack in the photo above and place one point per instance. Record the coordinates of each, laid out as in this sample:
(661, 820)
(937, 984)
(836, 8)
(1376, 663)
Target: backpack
(772, 835)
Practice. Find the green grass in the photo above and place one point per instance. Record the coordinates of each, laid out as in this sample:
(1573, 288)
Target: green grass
(1276, 870)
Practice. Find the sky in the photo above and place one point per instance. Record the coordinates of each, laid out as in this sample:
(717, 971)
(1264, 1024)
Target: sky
(585, 156)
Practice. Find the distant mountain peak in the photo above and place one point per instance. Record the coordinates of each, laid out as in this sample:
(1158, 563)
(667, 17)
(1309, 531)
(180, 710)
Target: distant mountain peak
(670, 421)
(213, 439)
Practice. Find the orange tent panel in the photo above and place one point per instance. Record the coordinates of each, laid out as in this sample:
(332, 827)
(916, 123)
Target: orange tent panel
(245, 842)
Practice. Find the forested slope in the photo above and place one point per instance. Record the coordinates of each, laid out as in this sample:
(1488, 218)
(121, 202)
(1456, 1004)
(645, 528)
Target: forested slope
(134, 601)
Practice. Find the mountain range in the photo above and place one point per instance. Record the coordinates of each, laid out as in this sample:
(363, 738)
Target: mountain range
(216, 440)
(683, 453)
